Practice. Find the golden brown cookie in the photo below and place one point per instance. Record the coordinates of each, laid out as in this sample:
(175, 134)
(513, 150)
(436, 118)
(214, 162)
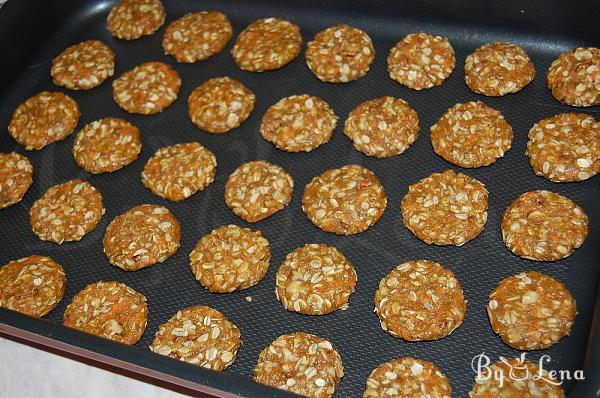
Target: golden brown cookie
(565, 147)
(197, 36)
(147, 89)
(32, 285)
(109, 309)
(66, 212)
(340, 54)
(45, 118)
(301, 363)
(16, 176)
(574, 77)
(420, 300)
(230, 258)
(178, 171)
(471, 134)
(257, 190)
(498, 68)
(141, 237)
(407, 378)
(544, 226)
(267, 44)
(421, 61)
(298, 123)
(83, 66)
(315, 279)
(446, 208)
(198, 335)
(132, 19)
(106, 145)
(382, 127)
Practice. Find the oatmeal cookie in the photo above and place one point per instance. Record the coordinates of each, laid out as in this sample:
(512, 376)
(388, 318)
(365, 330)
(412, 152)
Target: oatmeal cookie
(83, 66)
(132, 19)
(574, 77)
(16, 176)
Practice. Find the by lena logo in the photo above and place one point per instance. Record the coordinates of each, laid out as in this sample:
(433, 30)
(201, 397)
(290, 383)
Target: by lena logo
(517, 369)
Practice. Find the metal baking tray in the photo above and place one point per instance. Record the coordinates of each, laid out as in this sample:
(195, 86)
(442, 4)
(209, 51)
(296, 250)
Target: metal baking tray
(33, 32)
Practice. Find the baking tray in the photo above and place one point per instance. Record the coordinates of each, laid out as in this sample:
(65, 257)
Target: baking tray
(34, 32)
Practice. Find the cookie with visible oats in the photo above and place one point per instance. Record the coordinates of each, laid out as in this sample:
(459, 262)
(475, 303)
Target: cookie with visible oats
(565, 147)
(141, 237)
(543, 226)
(421, 61)
(230, 258)
(16, 176)
(345, 201)
(132, 19)
(382, 127)
(197, 36)
(446, 208)
(178, 171)
(106, 145)
(574, 77)
(198, 335)
(32, 285)
(147, 89)
(315, 279)
(109, 309)
(420, 300)
(408, 378)
(66, 212)
(220, 104)
(531, 311)
(498, 68)
(316, 375)
(45, 118)
(340, 54)
(515, 377)
(267, 44)
(257, 190)
(298, 123)
(471, 135)
(83, 66)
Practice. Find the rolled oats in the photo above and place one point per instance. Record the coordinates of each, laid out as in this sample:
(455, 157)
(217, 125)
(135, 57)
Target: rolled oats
(16, 176)
(132, 19)
(574, 77)
(83, 66)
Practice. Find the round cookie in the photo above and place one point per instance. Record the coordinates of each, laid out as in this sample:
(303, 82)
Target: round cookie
(574, 77)
(298, 123)
(257, 190)
(543, 226)
(198, 335)
(45, 118)
(197, 36)
(446, 208)
(220, 104)
(106, 145)
(316, 375)
(420, 300)
(421, 61)
(345, 201)
(132, 19)
(32, 285)
(83, 66)
(531, 311)
(471, 134)
(16, 176)
(498, 68)
(109, 309)
(230, 258)
(565, 147)
(267, 44)
(178, 171)
(141, 237)
(315, 279)
(147, 89)
(382, 127)
(340, 54)
(66, 212)
(408, 378)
